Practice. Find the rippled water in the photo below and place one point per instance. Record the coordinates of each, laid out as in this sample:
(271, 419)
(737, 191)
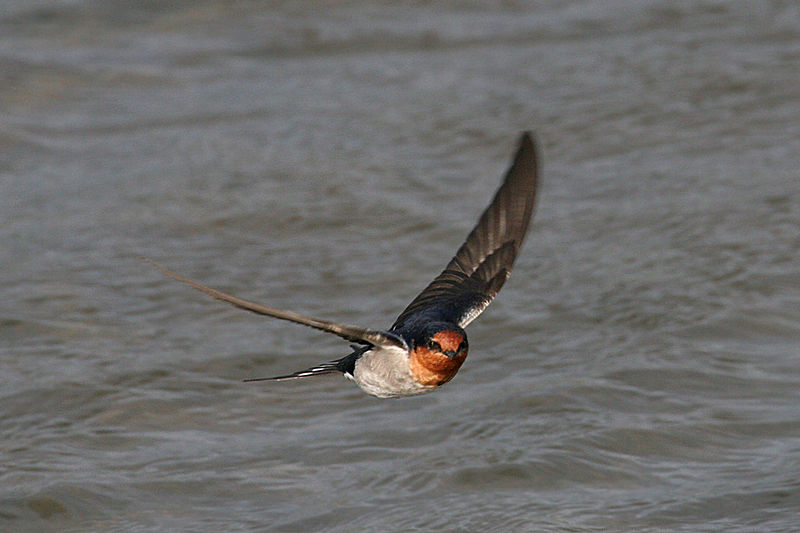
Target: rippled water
(639, 372)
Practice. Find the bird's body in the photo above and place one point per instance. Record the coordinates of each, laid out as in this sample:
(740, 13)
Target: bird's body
(386, 373)
(422, 366)
(427, 344)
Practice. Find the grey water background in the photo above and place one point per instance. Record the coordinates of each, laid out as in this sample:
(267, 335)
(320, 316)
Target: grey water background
(639, 372)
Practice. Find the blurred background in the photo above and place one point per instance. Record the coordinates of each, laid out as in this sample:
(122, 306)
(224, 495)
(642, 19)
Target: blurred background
(639, 372)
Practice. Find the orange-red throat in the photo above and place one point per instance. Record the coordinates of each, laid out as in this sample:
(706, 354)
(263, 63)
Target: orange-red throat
(437, 360)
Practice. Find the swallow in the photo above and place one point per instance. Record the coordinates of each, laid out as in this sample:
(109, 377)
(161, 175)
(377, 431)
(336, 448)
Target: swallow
(427, 344)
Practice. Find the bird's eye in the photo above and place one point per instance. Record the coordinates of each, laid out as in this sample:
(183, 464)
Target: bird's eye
(433, 345)
(462, 346)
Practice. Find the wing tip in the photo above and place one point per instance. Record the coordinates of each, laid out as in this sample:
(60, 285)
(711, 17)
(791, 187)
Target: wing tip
(528, 145)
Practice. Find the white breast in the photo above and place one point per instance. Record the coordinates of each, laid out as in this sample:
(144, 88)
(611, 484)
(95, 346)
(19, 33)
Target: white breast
(384, 372)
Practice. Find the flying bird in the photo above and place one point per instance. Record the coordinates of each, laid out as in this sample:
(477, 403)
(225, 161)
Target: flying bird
(427, 344)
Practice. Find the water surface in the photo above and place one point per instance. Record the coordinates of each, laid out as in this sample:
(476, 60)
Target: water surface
(639, 372)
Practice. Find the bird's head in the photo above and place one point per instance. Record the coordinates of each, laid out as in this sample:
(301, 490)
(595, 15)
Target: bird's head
(437, 352)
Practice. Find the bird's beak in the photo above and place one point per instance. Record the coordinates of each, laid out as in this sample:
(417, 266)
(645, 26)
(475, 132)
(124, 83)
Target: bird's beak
(450, 353)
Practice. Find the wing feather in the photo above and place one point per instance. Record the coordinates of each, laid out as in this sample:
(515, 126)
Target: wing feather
(472, 279)
(350, 333)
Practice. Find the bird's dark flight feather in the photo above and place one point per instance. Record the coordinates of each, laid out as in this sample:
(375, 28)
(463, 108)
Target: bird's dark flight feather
(480, 267)
(350, 333)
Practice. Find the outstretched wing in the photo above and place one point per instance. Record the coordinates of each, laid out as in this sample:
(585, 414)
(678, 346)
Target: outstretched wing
(350, 333)
(480, 267)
